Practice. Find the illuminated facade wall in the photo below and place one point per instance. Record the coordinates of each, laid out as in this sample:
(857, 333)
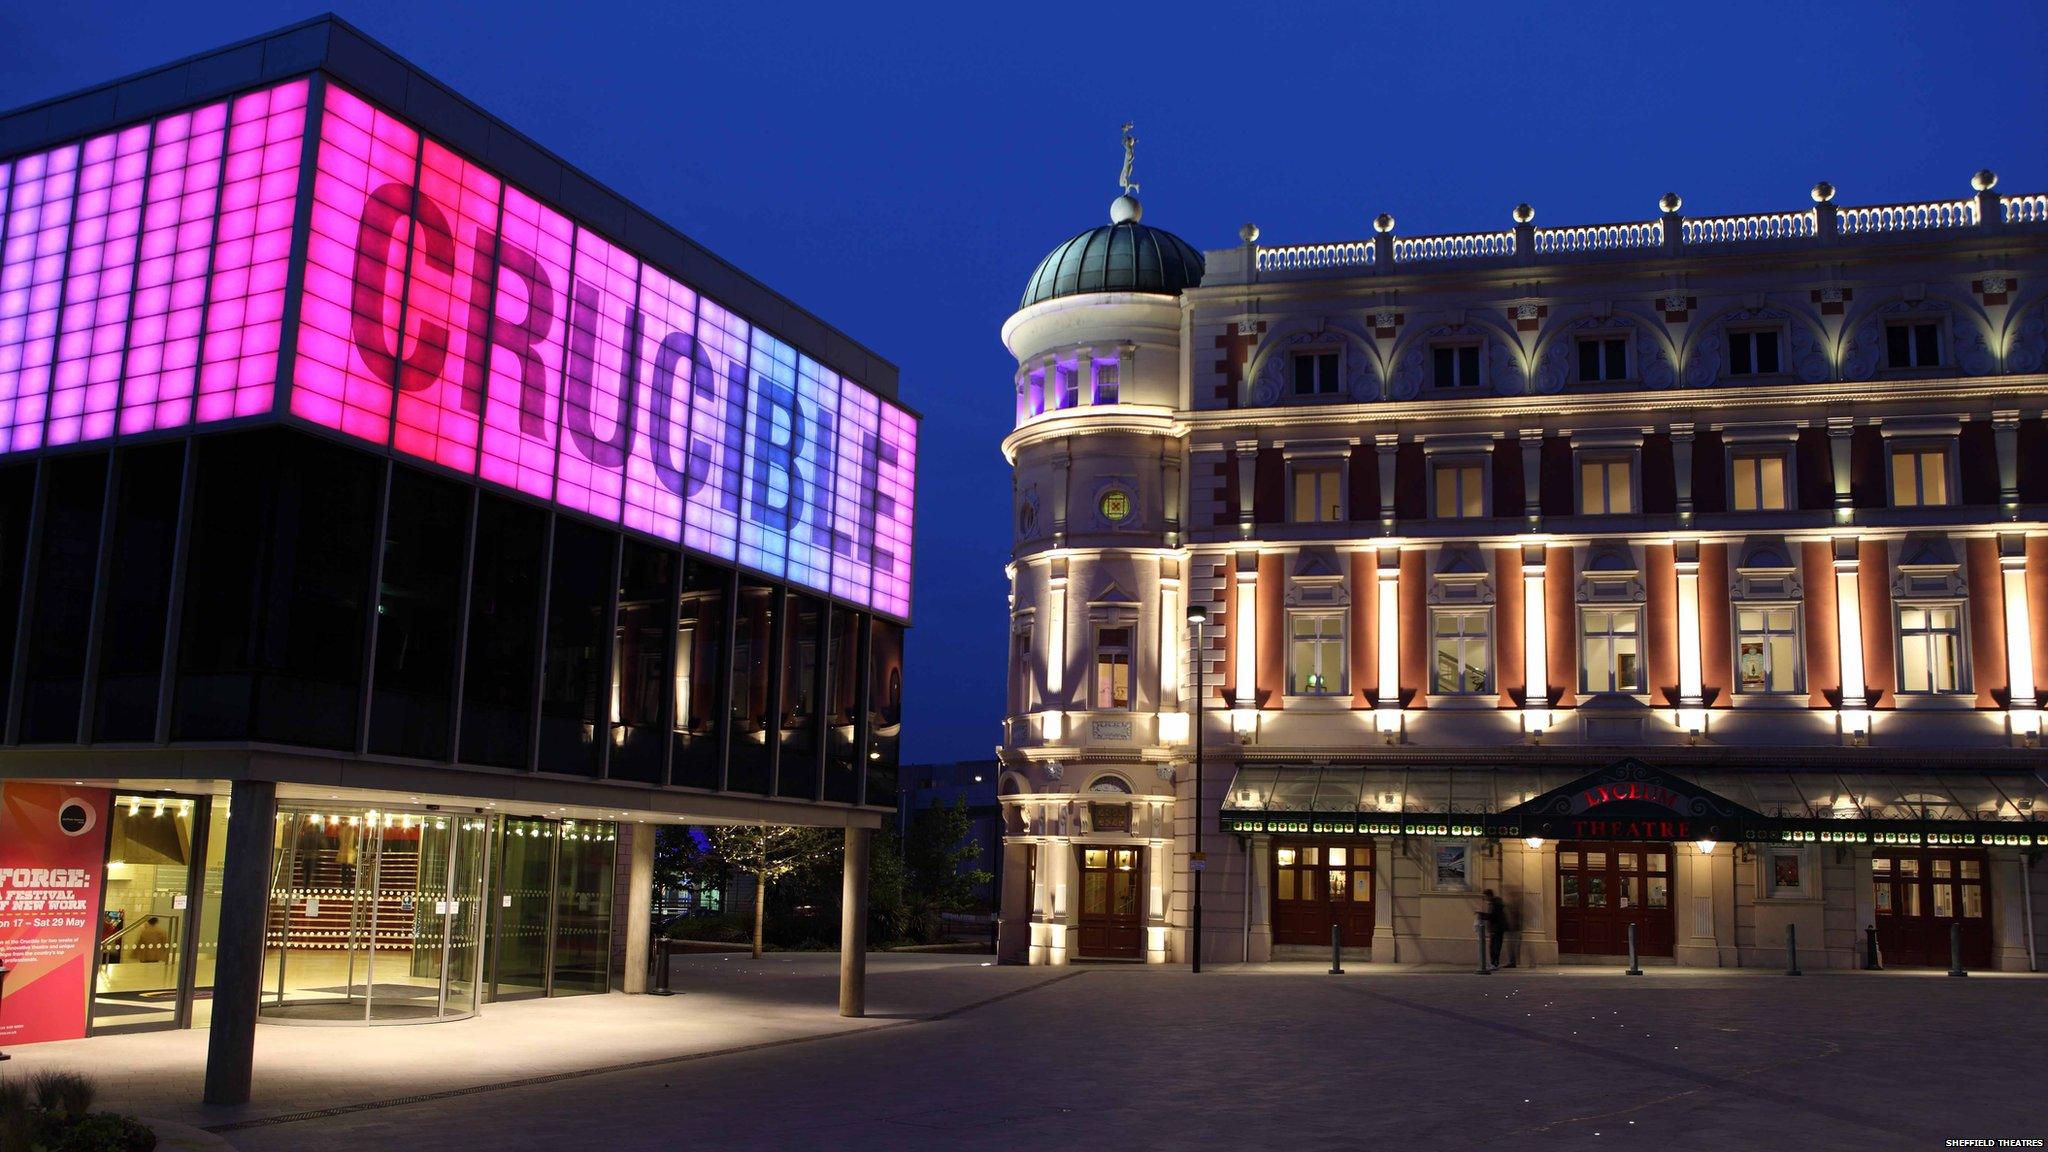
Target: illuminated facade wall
(147, 283)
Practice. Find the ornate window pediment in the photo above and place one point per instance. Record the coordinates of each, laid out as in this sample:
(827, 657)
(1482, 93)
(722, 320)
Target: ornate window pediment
(1928, 566)
(1461, 576)
(1612, 573)
(1764, 570)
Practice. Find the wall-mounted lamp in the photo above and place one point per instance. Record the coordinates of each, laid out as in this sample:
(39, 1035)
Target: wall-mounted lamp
(1706, 847)
(1532, 843)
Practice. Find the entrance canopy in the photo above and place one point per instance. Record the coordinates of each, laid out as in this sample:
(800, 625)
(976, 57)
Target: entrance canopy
(1634, 800)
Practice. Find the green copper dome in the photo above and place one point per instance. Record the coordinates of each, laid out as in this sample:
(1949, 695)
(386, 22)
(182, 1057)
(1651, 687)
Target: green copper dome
(1122, 257)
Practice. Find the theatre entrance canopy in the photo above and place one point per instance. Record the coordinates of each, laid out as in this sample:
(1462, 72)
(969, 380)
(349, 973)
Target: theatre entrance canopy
(1631, 799)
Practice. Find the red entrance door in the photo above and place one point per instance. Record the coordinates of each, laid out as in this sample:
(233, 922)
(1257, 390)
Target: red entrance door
(1112, 920)
(1317, 885)
(1919, 893)
(1604, 887)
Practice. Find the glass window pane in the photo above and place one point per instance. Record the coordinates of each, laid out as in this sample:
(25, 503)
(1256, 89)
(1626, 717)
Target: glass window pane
(1619, 497)
(885, 712)
(1909, 866)
(1095, 857)
(1972, 869)
(1944, 900)
(1771, 480)
(1973, 902)
(1568, 861)
(1312, 856)
(753, 663)
(803, 686)
(1568, 890)
(1596, 861)
(1287, 883)
(1337, 857)
(1596, 891)
(1338, 880)
(1660, 891)
(1286, 857)
(504, 631)
(417, 612)
(576, 658)
(138, 591)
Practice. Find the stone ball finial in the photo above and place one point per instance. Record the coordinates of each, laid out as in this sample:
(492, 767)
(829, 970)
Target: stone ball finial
(1125, 209)
(1383, 223)
(1985, 180)
(1670, 203)
(1249, 233)
(1823, 192)
(1524, 213)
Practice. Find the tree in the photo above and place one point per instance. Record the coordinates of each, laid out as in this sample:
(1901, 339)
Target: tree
(769, 852)
(935, 847)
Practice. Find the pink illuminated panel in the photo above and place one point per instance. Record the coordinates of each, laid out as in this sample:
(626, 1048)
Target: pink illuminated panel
(252, 249)
(170, 275)
(31, 287)
(598, 393)
(896, 499)
(522, 409)
(144, 276)
(658, 469)
(355, 269)
(448, 299)
(106, 225)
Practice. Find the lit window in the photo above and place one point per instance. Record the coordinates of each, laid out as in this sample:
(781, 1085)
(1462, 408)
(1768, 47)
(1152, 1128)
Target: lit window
(1460, 640)
(1460, 490)
(1106, 383)
(1605, 486)
(1611, 650)
(1753, 353)
(1317, 499)
(1112, 669)
(1930, 648)
(1603, 359)
(1912, 345)
(1031, 396)
(1457, 365)
(1024, 677)
(1767, 649)
(1315, 374)
(1759, 482)
(1068, 378)
(1315, 660)
(1919, 477)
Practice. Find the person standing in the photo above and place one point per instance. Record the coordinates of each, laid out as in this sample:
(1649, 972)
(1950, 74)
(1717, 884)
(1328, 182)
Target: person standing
(1496, 917)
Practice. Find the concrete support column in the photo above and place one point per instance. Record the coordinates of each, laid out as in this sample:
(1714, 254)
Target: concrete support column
(639, 907)
(1539, 905)
(1535, 652)
(2019, 631)
(853, 924)
(238, 972)
(1849, 623)
(1385, 949)
(1691, 695)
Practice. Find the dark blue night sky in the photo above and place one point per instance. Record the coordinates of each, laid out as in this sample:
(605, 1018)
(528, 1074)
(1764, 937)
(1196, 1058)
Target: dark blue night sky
(901, 171)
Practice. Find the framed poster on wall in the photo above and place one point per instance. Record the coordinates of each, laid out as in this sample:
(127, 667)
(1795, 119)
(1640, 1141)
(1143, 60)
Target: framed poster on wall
(53, 851)
(1453, 867)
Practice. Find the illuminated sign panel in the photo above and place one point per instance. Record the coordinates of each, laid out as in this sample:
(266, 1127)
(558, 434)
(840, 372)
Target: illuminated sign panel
(444, 314)
(142, 272)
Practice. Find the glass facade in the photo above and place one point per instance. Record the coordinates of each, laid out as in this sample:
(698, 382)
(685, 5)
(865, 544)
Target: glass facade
(303, 593)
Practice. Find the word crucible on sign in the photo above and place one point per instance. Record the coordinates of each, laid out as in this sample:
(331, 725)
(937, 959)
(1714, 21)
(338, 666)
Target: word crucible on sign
(446, 315)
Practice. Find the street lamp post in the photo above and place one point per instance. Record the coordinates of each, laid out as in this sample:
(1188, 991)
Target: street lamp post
(1198, 616)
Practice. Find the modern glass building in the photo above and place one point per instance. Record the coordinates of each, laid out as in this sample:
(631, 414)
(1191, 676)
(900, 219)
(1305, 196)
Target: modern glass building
(394, 525)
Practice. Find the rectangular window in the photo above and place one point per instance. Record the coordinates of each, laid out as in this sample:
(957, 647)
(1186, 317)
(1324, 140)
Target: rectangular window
(1460, 643)
(1919, 477)
(1315, 374)
(1611, 650)
(1068, 378)
(1759, 482)
(1315, 661)
(1606, 486)
(1753, 353)
(1915, 344)
(1022, 680)
(1318, 497)
(1106, 382)
(1457, 365)
(1460, 490)
(1767, 649)
(1603, 359)
(1930, 648)
(1112, 669)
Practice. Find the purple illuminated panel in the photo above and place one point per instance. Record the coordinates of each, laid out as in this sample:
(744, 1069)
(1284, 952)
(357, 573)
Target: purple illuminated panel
(144, 275)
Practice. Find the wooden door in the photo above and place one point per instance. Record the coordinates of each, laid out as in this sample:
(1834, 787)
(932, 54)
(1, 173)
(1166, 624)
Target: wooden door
(1919, 892)
(1603, 887)
(1112, 915)
(1317, 885)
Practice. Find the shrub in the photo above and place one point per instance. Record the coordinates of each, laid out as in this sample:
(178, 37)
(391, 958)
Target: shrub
(69, 1093)
(105, 1132)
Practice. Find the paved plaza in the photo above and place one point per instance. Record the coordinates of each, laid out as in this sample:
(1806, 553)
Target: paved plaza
(958, 1054)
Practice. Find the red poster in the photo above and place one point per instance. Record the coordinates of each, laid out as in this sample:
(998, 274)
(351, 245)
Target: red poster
(53, 842)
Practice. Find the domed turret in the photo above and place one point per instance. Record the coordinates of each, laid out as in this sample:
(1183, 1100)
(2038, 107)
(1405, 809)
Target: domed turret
(1121, 256)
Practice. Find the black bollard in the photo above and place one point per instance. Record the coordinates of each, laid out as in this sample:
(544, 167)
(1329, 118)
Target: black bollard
(1635, 967)
(1479, 932)
(1872, 961)
(661, 946)
(1336, 952)
(1955, 948)
(1791, 950)
(995, 935)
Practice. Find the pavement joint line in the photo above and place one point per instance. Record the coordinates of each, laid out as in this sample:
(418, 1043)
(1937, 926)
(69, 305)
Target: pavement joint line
(629, 1066)
(1888, 1125)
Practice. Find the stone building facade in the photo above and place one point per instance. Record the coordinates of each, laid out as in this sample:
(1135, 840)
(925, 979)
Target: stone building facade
(1679, 579)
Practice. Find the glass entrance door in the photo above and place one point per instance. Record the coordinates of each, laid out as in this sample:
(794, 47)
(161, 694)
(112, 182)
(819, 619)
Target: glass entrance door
(374, 917)
(149, 914)
(551, 930)
(1112, 923)
(1316, 886)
